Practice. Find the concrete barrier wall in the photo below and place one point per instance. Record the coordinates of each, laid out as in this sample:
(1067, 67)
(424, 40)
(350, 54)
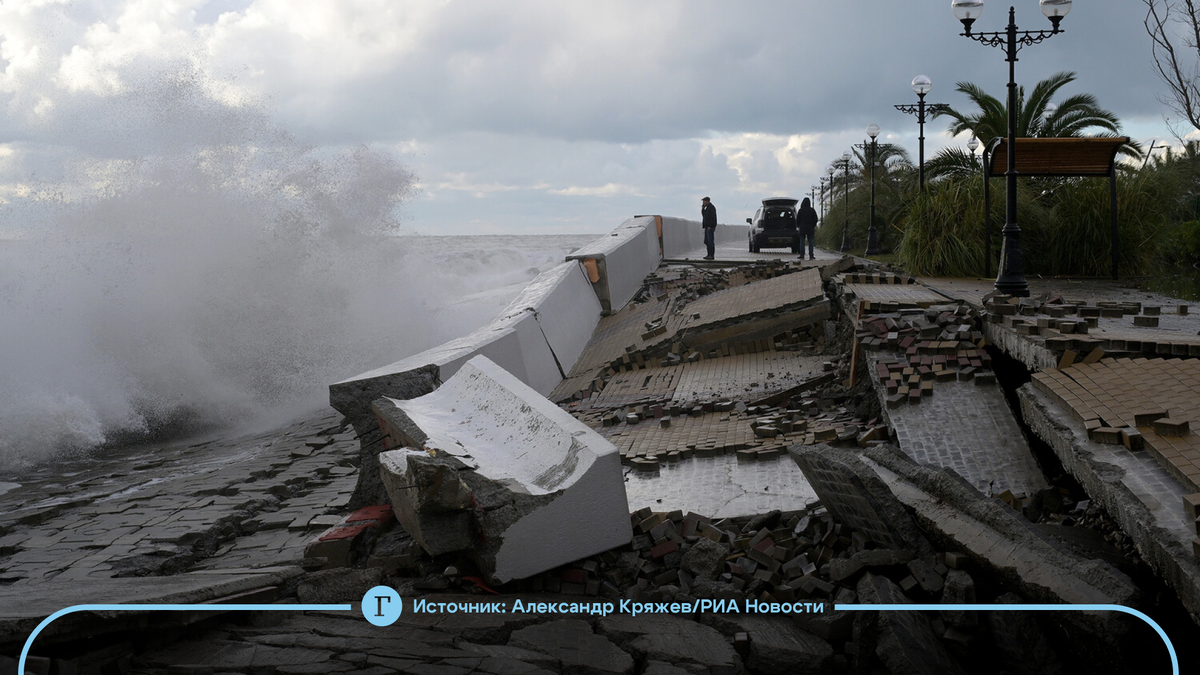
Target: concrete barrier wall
(537, 338)
(622, 260)
(681, 236)
(566, 308)
(541, 334)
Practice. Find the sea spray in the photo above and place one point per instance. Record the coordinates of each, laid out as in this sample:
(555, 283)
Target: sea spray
(216, 281)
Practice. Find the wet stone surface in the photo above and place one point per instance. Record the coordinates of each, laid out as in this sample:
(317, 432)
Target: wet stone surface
(247, 502)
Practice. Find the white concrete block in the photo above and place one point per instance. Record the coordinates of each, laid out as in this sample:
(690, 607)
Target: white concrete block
(566, 308)
(624, 258)
(507, 435)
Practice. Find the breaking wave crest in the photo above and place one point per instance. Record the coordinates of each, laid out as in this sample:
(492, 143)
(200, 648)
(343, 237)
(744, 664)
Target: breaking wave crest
(219, 282)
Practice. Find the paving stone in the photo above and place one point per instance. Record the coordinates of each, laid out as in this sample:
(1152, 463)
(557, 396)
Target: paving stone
(705, 558)
(990, 452)
(857, 498)
(577, 648)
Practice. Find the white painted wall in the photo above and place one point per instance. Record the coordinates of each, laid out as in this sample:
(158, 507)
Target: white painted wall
(629, 253)
(566, 309)
(681, 236)
(558, 310)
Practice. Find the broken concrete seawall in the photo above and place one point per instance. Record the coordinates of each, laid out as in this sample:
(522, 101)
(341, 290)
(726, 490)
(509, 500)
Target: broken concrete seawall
(537, 338)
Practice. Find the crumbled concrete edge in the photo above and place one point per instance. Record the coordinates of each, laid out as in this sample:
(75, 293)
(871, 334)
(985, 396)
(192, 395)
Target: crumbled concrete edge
(896, 528)
(1086, 581)
(1035, 356)
(345, 397)
(1174, 561)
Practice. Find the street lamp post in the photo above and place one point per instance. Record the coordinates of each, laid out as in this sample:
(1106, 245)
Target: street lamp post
(822, 180)
(872, 235)
(921, 84)
(1011, 277)
(829, 170)
(846, 204)
(973, 145)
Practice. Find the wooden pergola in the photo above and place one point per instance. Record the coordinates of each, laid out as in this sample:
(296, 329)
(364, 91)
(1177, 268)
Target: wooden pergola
(1094, 157)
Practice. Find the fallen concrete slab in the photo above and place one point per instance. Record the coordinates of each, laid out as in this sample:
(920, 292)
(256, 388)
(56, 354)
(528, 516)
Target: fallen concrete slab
(858, 498)
(1134, 488)
(486, 464)
(1003, 543)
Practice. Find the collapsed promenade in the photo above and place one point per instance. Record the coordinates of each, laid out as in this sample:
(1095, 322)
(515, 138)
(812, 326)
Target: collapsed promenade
(756, 428)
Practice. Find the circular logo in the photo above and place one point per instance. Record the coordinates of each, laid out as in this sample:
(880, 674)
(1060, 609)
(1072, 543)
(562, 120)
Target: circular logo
(382, 606)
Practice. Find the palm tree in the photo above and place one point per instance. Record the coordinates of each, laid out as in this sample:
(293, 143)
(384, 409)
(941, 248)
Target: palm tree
(1073, 116)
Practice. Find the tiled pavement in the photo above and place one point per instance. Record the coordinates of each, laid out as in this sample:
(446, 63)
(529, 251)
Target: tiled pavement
(256, 500)
(760, 296)
(721, 487)
(904, 295)
(618, 336)
(740, 376)
(739, 252)
(1173, 328)
(1114, 391)
(970, 429)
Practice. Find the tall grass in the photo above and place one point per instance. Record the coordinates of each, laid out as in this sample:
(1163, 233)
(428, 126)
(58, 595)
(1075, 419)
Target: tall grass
(1078, 232)
(1065, 226)
(942, 231)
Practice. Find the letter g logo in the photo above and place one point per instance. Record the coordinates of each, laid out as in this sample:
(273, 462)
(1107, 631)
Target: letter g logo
(382, 605)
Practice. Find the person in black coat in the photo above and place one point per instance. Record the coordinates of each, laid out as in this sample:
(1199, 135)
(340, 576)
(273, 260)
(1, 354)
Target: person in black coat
(708, 220)
(806, 223)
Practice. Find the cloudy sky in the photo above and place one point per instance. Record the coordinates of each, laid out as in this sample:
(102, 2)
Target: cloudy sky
(524, 116)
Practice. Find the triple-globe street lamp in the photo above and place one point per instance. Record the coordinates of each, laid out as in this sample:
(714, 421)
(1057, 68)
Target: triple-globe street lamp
(1011, 277)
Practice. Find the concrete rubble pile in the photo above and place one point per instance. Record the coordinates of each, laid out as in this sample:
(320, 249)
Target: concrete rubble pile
(485, 464)
(891, 499)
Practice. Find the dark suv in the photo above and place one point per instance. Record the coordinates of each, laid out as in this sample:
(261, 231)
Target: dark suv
(774, 225)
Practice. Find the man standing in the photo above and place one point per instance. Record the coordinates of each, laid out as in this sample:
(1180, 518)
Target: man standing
(806, 223)
(708, 216)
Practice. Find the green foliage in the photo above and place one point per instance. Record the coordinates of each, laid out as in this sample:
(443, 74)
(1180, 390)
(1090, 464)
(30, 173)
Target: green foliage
(1064, 231)
(1077, 237)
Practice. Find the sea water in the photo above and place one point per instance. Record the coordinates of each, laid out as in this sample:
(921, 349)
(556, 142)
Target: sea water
(124, 339)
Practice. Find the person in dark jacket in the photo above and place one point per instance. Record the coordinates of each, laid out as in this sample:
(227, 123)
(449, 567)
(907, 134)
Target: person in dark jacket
(708, 220)
(806, 223)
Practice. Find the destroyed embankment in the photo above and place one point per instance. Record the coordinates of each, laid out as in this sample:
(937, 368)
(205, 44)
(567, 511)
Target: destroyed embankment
(824, 554)
(700, 363)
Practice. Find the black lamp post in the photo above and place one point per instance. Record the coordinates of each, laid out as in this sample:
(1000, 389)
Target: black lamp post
(1011, 277)
(829, 170)
(822, 181)
(872, 235)
(846, 204)
(921, 84)
(973, 145)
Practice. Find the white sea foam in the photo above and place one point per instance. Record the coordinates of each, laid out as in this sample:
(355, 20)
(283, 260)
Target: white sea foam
(213, 281)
